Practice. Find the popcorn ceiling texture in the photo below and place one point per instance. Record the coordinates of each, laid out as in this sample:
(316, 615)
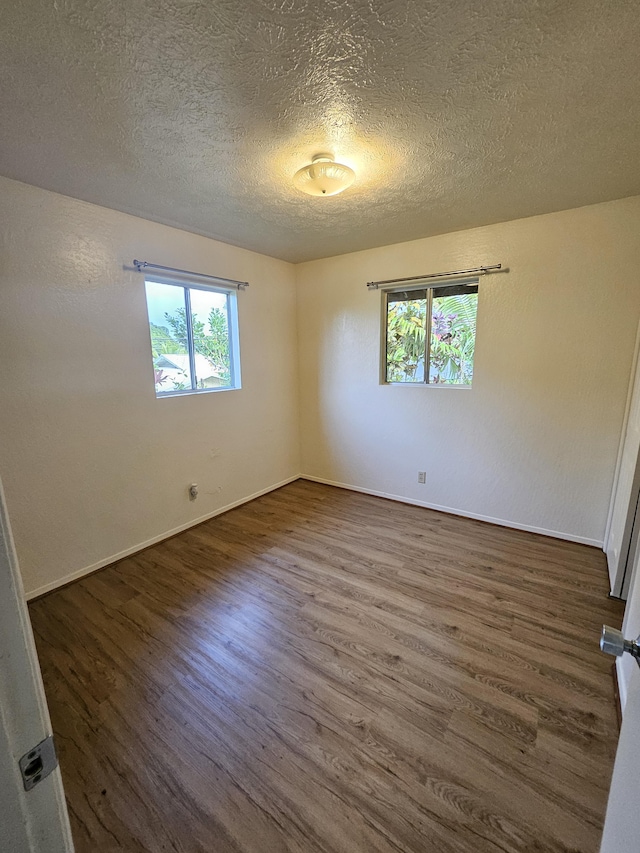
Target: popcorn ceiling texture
(453, 114)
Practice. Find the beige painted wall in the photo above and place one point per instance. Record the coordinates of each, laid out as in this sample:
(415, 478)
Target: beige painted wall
(534, 442)
(93, 464)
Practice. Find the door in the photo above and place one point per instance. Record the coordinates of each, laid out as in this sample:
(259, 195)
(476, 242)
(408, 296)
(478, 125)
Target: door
(622, 824)
(33, 821)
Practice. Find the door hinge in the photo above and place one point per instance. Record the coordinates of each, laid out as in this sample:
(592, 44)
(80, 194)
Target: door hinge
(38, 763)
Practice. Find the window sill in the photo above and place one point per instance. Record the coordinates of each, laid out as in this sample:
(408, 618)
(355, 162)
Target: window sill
(426, 385)
(190, 392)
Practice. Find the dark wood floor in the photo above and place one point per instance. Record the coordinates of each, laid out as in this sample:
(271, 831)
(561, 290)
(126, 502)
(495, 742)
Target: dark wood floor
(322, 671)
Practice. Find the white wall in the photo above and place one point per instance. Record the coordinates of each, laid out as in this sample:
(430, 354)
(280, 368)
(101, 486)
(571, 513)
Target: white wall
(93, 464)
(534, 442)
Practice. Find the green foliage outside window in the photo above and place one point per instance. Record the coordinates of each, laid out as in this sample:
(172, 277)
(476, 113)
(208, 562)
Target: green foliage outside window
(212, 344)
(210, 340)
(453, 339)
(452, 332)
(406, 332)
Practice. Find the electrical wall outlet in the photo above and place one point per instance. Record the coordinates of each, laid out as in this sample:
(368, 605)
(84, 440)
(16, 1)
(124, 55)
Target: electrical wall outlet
(422, 477)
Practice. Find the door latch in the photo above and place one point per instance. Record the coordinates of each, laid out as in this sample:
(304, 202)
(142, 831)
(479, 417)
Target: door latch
(36, 764)
(612, 642)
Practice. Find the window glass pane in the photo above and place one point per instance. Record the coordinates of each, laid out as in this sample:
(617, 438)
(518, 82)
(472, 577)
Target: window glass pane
(211, 338)
(406, 334)
(168, 326)
(453, 333)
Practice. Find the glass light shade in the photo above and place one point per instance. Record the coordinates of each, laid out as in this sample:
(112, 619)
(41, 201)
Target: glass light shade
(323, 176)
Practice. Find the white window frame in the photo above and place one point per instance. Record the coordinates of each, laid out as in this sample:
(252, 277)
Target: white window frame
(429, 286)
(234, 344)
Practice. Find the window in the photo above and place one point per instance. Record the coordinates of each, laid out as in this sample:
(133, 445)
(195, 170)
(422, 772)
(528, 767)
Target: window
(194, 337)
(430, 335)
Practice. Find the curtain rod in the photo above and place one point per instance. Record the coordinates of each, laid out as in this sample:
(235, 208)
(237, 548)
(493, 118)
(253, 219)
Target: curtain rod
(374, 285)
(141, 265)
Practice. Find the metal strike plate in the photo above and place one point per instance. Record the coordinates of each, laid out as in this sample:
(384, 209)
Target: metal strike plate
(38, 763)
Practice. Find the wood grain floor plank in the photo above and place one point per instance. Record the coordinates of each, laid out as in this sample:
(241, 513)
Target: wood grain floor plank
(321, 671)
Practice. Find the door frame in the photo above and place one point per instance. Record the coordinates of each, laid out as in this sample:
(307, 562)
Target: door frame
(625, 490)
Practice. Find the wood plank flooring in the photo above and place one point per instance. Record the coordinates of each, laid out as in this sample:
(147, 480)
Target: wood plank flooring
(321, 671)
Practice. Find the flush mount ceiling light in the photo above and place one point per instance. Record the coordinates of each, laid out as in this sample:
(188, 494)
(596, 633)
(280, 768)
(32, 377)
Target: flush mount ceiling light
(323, 176)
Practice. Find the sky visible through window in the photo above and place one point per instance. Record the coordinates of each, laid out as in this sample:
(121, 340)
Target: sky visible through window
(166, 299)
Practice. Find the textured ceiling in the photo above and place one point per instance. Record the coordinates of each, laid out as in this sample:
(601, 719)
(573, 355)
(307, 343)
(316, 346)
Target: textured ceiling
(198, 112)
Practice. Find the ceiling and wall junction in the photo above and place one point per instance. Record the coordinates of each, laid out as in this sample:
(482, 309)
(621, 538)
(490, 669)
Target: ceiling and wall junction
(198, 114)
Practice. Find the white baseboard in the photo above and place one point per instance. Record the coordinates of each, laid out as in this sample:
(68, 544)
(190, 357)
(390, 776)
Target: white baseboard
(556, 534)
(87, 570)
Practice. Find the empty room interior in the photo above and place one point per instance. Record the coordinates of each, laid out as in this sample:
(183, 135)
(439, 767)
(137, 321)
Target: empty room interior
(319, 426)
